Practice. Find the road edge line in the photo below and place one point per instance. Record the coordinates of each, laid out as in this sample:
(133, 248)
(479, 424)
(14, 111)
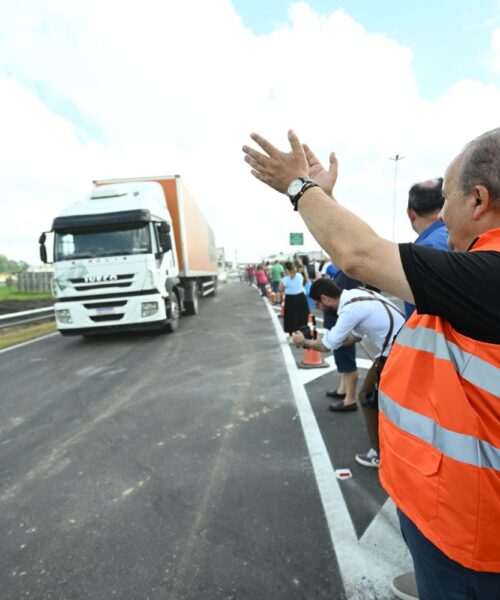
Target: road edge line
(41, 337)
(350, 556)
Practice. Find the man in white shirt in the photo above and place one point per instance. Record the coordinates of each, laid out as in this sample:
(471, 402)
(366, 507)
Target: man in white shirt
(360, 313)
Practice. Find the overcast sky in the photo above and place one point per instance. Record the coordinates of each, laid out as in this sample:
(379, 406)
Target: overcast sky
(102, 89)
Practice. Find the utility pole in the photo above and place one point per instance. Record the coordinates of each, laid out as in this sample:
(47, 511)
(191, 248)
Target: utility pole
(396, 160)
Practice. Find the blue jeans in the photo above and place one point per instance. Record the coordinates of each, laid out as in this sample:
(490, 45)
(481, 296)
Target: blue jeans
(441, 578)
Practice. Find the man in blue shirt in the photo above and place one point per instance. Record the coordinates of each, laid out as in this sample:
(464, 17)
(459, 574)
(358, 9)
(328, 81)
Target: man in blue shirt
(425, 200)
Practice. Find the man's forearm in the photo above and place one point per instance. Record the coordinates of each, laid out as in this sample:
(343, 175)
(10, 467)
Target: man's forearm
(353, 245)
(314, 345)
(343, 235)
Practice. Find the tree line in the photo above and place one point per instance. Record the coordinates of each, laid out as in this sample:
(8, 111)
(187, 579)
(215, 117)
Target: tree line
(12, 266)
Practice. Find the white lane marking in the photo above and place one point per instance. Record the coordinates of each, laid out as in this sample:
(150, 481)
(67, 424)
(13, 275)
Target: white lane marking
(384, 543)
(361, 575)
(340, 525)
(307, 375)
(364, 363)
(42, 337)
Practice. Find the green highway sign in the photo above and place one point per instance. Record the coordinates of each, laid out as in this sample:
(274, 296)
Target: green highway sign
(296, 239)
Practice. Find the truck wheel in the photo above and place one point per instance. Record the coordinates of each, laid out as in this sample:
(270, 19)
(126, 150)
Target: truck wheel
(192, 305)
(175, 311)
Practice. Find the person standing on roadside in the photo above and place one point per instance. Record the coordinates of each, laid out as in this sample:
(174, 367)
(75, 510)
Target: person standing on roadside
(425, 201)
(261, 277)
(277, 271)
(296, 307)
(439, 392)
(329, 269)
(251, 275)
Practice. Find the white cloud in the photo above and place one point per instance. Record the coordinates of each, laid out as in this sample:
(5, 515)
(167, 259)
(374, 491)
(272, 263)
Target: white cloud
(107, 89)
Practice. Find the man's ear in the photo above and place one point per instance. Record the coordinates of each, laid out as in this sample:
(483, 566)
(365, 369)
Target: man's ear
(412, 215)
(325, 300)
(483, 202)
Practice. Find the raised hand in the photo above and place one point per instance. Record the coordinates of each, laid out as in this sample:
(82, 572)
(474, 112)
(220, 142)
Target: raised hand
(277, 168)
(325, 179)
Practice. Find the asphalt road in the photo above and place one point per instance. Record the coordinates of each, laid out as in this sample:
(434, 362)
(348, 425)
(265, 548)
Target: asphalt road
(149, 467)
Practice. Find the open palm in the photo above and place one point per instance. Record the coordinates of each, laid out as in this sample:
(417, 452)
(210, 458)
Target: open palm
(325, 179)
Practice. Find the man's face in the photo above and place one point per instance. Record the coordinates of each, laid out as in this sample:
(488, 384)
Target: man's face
(325, 303)
(457, 210)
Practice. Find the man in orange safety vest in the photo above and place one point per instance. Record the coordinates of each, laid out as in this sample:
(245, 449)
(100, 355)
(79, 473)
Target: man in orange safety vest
(439, 393)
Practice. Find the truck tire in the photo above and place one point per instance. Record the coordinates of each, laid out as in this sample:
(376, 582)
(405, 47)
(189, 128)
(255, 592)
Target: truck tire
(191, 306)
(175, 312)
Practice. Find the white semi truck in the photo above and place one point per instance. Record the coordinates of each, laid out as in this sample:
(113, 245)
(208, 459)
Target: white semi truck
(134, 254)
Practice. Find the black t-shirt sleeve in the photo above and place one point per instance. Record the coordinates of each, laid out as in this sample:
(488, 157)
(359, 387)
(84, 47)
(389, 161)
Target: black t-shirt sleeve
(461, 287)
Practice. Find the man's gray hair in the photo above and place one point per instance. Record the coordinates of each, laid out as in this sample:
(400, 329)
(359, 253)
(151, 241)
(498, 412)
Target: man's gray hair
(481, 164)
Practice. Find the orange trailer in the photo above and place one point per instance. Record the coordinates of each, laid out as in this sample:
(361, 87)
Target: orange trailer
(194, 239)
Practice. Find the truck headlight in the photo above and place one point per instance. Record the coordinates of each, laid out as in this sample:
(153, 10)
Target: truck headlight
(64, 316)
(149, 308)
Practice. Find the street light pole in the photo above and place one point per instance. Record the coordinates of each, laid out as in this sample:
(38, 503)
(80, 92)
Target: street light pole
(396, 159)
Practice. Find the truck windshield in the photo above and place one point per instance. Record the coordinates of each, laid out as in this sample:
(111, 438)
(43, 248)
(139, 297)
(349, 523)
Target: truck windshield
(129, 239)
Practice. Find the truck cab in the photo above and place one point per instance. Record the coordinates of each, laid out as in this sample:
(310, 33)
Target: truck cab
(115, 264)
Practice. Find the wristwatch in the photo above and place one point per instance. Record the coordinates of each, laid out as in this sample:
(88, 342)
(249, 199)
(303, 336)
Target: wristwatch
(297, 187)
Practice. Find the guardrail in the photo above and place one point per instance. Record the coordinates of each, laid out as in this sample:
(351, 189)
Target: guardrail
(26, 316)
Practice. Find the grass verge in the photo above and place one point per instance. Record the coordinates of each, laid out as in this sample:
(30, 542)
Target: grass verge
(12, 293)
(16, 335)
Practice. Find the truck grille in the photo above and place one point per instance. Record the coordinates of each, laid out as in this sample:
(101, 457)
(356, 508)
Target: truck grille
(121, 281)
(114, 304)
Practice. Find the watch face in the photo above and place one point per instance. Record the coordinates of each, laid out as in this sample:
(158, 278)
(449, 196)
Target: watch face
(295, 187)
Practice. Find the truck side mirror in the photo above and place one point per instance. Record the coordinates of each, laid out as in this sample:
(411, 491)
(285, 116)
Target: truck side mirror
(164, 236)
(43, 249)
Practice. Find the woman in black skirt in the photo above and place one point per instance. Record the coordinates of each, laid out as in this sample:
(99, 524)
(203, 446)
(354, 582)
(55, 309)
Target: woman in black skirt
(296, 307)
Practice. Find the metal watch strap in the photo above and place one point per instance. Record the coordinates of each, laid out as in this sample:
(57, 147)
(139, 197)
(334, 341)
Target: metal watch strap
(305, 187)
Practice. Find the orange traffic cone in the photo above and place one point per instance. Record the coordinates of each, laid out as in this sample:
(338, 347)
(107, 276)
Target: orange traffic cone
(312, 360)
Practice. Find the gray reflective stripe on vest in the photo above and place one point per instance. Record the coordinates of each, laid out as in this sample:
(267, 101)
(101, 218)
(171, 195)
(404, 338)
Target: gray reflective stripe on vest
(479, 372)
(465, 448)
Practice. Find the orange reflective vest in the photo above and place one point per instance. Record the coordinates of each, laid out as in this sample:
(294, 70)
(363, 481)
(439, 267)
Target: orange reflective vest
(439, 402)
